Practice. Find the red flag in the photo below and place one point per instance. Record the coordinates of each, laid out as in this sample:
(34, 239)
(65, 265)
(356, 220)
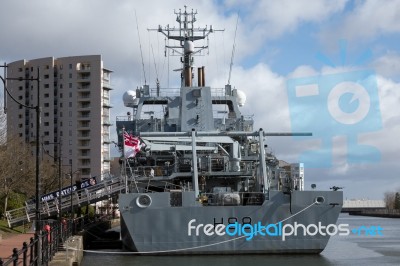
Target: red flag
(131, 145)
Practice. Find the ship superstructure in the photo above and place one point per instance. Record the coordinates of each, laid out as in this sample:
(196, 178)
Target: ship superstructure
(201, 179)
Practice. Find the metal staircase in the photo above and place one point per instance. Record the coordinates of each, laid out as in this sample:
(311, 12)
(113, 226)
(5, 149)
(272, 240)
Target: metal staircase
(102, 190)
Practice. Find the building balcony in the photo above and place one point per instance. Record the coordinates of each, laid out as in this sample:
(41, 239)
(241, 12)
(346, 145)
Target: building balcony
(83, 107)
(107, 104)
(84, 87)
(83, 68)
(107, 86)
(107, 122)
(83, 126)
(83, 136)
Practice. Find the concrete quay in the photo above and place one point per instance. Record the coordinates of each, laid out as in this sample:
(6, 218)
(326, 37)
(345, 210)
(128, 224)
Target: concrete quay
(71, 254)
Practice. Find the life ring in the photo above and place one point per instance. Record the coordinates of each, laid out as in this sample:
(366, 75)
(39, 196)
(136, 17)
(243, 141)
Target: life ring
(143, 201)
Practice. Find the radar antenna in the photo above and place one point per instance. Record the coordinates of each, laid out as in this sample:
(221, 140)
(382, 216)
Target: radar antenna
(186, 35)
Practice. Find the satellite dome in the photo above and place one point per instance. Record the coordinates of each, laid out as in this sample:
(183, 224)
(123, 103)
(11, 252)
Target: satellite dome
(129, 98)
(188, 47)
(241, 97)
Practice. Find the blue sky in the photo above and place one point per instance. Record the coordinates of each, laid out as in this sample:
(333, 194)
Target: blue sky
(277, 41)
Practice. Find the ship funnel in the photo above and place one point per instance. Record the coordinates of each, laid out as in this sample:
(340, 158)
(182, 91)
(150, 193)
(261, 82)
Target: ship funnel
(188, 76)
(201, 81)
(199, 77)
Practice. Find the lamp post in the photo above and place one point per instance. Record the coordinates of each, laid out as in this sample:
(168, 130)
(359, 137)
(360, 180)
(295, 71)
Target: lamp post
(38, 181)
(71, 173)
(59, 160)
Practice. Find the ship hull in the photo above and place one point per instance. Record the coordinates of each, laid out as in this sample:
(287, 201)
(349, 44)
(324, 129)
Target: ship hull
(255, 229)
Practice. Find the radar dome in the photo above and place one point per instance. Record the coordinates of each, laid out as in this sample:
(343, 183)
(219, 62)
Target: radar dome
(188, 47)
(129, 98)
(241, 97)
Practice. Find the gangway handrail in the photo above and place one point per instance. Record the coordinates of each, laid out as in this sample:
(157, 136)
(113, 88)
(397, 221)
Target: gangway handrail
(100, 191)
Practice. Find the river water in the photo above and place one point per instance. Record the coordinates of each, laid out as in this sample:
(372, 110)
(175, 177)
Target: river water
(353, 249)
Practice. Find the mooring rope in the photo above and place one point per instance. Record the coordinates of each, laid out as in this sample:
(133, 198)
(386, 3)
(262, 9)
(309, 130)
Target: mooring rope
(190, 248)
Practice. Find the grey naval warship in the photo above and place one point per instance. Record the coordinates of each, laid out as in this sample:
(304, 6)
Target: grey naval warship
(201, 180)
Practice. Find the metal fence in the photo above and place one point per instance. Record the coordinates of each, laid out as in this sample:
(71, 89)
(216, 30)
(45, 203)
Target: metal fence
(51, 239)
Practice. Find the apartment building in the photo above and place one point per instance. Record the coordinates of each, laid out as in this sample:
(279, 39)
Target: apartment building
(74, 96)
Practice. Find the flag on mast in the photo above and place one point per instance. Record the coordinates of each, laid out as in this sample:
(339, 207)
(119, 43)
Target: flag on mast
(131, 145)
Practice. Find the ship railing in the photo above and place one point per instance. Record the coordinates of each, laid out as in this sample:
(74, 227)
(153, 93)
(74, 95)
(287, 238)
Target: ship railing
(160, 186)
(174, 92)
(152, 171)
(232, 198)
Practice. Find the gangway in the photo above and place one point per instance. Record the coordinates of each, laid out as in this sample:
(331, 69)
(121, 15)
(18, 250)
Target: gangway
(102, 190)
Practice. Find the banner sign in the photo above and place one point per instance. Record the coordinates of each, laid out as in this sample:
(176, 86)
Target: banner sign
(67, 190)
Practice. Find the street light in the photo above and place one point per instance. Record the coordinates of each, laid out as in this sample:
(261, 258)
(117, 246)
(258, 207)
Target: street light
(71, 173)
(38, 184)
(59, 160)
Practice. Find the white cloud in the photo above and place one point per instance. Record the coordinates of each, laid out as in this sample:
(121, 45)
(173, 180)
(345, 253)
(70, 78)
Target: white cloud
(368, 19)
(388, 65)
(286, 16)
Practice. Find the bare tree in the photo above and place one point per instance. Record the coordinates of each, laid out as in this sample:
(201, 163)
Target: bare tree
(16, 169)
(389, 199)
(3, 126)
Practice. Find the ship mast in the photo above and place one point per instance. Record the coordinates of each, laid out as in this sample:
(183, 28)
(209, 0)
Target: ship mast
(186, 34)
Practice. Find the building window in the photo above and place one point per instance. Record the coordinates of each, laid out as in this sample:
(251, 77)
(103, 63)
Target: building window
(70, 104)
(46, 95)
(61, 133)
(70, 142)
(20, 88)
(70, 95)
(70, 75)
(46, 133)
(70, 85)
(70, 123)
(46, 124)
(61, 123)
(46, 104)
(70, 66)
(46, 76)
(70, 113)
(46, 86)
(46, 114)
(70, 133)
(61, 95)
(61, 75)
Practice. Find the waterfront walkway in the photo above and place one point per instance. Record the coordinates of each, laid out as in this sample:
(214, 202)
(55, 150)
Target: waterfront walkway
(9, 242)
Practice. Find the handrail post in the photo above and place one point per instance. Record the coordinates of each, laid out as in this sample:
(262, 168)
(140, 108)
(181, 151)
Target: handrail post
(24, 254)
(15, 256)
(31, 251)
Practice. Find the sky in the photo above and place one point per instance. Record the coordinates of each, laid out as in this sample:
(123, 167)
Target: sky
(327, 67)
